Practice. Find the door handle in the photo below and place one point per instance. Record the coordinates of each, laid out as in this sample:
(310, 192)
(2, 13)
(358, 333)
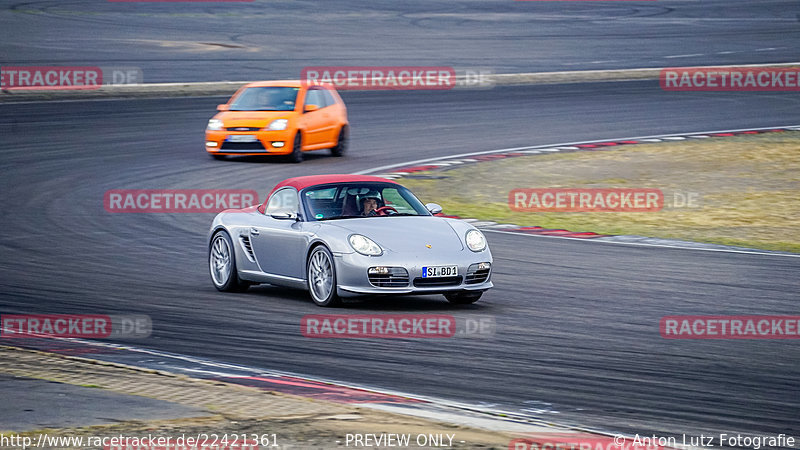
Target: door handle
(254, 231)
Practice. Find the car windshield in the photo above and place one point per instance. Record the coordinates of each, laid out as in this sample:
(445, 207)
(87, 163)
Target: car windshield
(350, 200)
(268, 98)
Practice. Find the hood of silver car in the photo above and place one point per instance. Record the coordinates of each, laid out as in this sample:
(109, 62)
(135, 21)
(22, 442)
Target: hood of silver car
(406, 233)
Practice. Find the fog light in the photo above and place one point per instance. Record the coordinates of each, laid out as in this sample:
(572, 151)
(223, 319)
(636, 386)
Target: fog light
(380, 270)
(211, 144)
(484, 266)
(278, 144)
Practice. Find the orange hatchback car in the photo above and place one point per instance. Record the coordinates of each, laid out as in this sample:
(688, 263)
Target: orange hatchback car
(279, 118)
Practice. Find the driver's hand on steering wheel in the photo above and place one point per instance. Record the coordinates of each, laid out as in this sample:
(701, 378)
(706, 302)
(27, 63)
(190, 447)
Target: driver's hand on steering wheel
(384, 211)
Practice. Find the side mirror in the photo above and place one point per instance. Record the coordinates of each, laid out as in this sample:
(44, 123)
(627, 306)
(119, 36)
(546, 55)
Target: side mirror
(223, 107)
(433, 208)
(284, 215)
(310, 108)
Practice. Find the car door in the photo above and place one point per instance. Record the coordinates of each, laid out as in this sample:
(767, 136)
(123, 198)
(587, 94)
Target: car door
(279, 242)
(316, 122)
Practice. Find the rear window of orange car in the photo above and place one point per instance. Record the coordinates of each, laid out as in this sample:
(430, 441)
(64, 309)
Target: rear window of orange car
(329, 100)
(320, 97)
(314, 97)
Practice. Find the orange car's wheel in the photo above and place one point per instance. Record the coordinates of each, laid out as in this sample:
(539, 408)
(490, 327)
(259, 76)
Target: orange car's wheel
(217, 157)
(297, 149)
(341, 144)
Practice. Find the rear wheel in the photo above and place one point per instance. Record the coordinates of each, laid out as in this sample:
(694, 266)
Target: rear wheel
(321, 276)
(297, 149)
(463, 298)
(222, 264)
(341, 144)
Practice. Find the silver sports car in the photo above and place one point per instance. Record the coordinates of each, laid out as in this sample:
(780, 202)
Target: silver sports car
(345, 235)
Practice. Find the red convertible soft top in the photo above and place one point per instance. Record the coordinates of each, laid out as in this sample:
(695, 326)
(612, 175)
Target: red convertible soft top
(313, 180)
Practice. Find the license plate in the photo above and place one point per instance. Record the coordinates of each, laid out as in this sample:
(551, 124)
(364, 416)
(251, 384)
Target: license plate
(242, 138)
(439, 271)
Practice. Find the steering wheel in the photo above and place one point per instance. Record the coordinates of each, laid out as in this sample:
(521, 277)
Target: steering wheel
(384, 210)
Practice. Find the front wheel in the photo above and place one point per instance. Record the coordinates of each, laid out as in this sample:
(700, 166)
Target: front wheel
(321, 276)
(341, 144)
(297, 149)
(463, 298)
(222, 264)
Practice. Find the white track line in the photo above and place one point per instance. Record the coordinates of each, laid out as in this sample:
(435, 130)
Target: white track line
(218, 368)
(553, 146)
(571, 146)
(645, 244)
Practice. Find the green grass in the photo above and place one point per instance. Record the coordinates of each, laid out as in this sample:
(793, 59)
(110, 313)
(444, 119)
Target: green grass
(748, 186)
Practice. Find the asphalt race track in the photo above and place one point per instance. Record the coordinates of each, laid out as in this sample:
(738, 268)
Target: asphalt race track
(274, 39)
(577, 339)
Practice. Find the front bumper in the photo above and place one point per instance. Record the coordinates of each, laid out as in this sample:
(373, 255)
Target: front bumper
(267, 143)
(353, 279)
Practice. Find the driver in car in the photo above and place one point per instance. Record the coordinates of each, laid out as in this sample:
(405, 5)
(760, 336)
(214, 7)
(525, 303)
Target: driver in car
(370, 204)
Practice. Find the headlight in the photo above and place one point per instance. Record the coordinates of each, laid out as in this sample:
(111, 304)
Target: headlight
(365, 245)
(214, 125)
(277, 125)
(475, 240)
